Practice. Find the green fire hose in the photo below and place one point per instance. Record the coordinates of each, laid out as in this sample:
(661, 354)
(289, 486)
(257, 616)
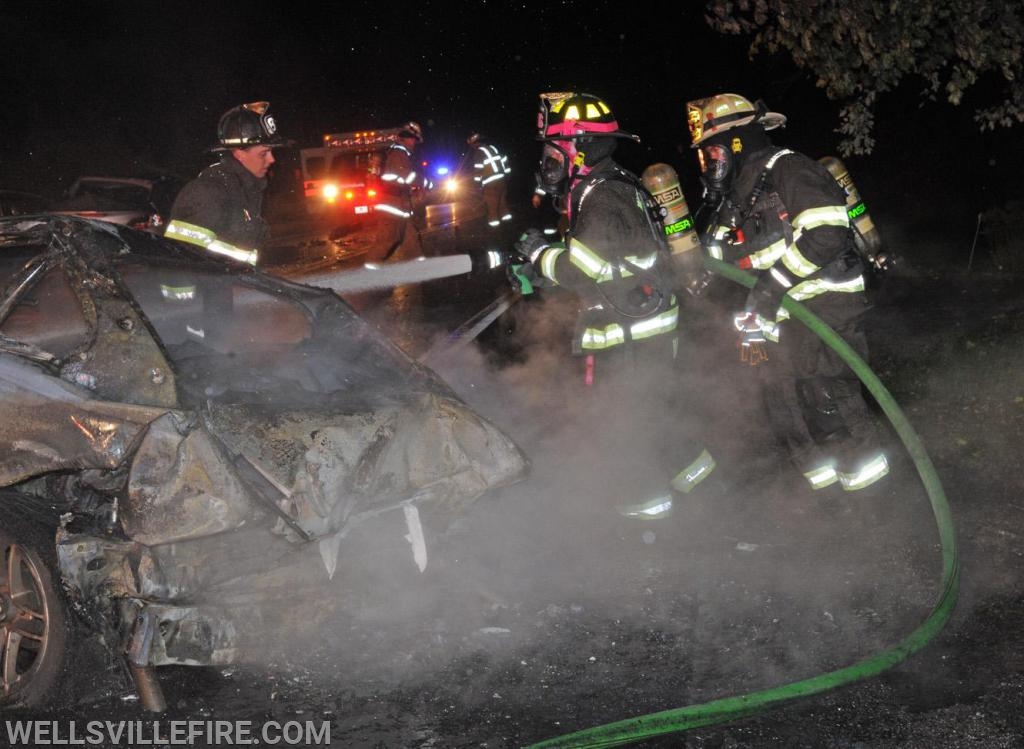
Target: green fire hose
(733, 708)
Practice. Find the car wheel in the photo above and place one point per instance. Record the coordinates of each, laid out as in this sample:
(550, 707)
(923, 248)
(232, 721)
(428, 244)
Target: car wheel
(34, 619)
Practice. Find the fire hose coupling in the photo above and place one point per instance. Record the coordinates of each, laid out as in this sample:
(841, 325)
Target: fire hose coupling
(518, 269)
(495, 259)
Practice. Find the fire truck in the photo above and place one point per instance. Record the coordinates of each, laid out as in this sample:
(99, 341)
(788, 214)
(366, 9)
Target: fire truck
(342, 175)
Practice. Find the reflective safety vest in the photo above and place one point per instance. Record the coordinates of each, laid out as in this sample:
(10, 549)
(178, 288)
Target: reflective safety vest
(398, 178)
(489, 165)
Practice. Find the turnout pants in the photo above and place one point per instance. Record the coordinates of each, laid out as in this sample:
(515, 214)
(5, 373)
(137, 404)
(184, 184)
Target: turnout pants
(397, 239)
(494, 199)
(650, 435)
(813, 399)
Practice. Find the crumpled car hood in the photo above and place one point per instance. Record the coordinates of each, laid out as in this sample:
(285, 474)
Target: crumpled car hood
(337, 464)
(326, 468)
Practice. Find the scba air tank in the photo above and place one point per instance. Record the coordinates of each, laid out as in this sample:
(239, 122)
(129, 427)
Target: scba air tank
(662, 182)
(867, 237)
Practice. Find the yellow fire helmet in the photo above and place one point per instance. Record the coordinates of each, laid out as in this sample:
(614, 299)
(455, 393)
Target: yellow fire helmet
(716, 114)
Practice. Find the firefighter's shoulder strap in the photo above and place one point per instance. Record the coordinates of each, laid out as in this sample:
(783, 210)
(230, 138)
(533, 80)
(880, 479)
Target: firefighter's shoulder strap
(762, 181)
(654, 211)
(760, 186)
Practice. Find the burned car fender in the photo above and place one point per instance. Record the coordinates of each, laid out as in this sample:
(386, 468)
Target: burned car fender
(51, 426)
(181, 486)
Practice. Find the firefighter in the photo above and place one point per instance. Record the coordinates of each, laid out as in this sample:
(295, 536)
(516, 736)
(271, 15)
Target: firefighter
(221, 210)
(398, 238)
(615, 260)
(781, 215)
(490, 169)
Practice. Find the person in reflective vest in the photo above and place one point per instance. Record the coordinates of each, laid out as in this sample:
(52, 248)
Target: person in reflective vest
(490, 169)
(615, 260)
(398, 237)
(781, 215)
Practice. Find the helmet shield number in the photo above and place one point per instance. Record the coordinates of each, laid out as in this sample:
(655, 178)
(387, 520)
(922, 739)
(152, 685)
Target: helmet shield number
(695, 122)
(550, 102)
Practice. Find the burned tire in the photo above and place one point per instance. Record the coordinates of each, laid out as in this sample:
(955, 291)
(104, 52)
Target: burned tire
(34, 619)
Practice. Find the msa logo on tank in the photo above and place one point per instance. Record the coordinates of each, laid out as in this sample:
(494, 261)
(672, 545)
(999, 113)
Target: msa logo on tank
(662, 182)
(865, 234)
(669, 195)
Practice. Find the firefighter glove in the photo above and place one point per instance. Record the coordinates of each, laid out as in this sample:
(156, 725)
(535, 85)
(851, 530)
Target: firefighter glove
(691, 273)
(522, 275)
(766, 296)
(531, 243)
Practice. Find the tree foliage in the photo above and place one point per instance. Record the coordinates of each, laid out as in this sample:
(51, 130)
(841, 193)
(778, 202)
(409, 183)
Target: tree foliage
(860, 49)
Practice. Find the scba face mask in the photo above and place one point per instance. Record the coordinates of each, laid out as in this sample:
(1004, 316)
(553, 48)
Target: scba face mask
(556, 163)
(716, 167)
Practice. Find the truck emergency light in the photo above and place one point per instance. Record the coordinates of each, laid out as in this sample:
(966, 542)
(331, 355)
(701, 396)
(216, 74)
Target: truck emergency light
(361, 139)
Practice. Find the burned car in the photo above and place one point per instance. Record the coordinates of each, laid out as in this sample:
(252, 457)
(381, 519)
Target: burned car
(188, 442)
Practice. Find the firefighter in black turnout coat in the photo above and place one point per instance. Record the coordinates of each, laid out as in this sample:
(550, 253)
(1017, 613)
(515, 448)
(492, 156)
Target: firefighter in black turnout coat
(615, 259)
(782, 216)
(221, 210)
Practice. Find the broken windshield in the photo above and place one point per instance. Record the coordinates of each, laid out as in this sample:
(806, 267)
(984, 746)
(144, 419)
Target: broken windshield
(241, 338)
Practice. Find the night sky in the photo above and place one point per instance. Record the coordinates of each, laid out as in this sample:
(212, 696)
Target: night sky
(122, 88)
(116, 86)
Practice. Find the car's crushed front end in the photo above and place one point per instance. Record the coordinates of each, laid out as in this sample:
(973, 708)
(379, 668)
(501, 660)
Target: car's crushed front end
(208, 437)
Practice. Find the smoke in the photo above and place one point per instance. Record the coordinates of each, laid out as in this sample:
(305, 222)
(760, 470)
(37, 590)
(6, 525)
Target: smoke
(752, 581)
